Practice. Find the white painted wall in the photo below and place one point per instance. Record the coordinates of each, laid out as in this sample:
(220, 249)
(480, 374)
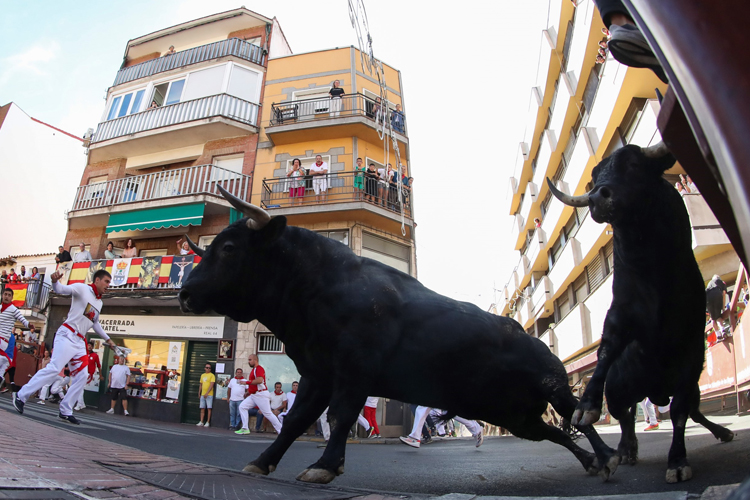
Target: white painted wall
(41, 168)
(279, 45)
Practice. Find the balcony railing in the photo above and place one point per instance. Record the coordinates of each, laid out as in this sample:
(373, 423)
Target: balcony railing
(201, 179)
(37, 294)
(197, 109)
(231, 47)
(277, 193)
(325, 108)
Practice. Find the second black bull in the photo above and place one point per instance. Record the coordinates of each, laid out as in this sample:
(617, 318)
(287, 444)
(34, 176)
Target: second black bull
(355, 328)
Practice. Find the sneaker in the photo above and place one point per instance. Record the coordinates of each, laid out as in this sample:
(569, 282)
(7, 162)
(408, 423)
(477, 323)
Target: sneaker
(17, 403)
(370, 432)
(652, 427)
(69, 418)
(77, 408)
(199, 424)
(243, 431)
(480, 439)
(41, 402)
(127, 413)
(629, 46)
(4, 390)
(410, 441)
(428, 440)
(206, 425)
(111, 411)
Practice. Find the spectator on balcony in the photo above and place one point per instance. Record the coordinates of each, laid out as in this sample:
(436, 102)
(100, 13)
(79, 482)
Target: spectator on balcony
(716, 303)
(600, 59)
(371, 183)
(319, 171)
(109, 253)
(297, 182)
(154, 105)
(382, 185)
(170, 51)
(397, 119)
(24, 275)
(691, 185)
(83, 254)
(4, 277)
(130, 250)
(359, 179)
(183, 247)
(537, 223)
(680, 188)
(337, 100)
(392, 188)
(63, 255)
(12, 276)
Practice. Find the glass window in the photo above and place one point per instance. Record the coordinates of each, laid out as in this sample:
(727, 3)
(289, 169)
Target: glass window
(137, 102)
(175, 92)
(149, 376)
(125, 104)
(340, 236)
(243, 83)
(114, 108)
(386, 251)
(204, 241)
(267, 342)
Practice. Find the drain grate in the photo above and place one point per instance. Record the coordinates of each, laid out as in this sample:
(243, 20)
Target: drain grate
(222, 485)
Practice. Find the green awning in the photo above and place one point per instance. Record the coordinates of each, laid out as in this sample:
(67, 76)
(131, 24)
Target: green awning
(156, 218)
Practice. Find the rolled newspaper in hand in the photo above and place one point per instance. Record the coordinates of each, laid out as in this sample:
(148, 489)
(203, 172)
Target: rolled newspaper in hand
(122, 351)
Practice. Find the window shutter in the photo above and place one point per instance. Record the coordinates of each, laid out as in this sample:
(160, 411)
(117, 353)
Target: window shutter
(595, 273)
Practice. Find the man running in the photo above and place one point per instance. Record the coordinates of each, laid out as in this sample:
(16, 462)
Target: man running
(9, 314)
(259, 397)
(70, 342)
(420, 415)
(94, 364)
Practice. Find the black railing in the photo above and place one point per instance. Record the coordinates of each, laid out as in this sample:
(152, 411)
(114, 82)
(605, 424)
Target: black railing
(325, 108)
(37, 294)
(342, 187)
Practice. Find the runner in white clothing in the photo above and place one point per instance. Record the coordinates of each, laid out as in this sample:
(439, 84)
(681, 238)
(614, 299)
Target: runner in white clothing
(420, 415)
(9, 314)
(290, 397)
(259, 397)
(70, 343)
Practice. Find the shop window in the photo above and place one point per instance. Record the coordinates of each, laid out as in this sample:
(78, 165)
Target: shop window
(156, 369)
(268, 343)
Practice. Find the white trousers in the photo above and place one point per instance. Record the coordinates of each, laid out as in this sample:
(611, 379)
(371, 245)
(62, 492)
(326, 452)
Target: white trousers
(649, 412)
(4, 364)
(57, 386)
(81, 403)
(263, 401)
(361, 420)
(68, 349)
(324, 425)
(420, 416)
(320, 184)
(336, 105)
(44, 392)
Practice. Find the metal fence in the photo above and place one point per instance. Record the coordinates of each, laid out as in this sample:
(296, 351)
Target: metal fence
(229, 47)
(201, 179)
(181, 112)
(324, 108)
(37, 295)
(340, 189)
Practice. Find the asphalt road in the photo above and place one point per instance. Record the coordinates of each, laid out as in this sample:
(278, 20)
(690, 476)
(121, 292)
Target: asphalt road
(502, 466)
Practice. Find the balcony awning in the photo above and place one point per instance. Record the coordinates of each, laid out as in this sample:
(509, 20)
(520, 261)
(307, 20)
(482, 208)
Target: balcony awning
(156, 218)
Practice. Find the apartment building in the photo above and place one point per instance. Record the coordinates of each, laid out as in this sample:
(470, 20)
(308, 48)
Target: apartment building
(581, 111)
(222, 101)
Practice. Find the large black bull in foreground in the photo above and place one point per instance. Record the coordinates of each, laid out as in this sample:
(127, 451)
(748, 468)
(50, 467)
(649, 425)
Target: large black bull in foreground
(652, 345)
(355, 327)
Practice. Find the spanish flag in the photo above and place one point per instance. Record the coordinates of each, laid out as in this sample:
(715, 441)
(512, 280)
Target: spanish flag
(166, 268)
(135, 269)
(79, 272)
(19, 293)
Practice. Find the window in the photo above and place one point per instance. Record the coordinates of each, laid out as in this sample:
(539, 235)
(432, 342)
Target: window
(96, 187)
(244, 83)
(168, 92)
(580, 290)
(609, 257)
(153, 253)
(316, 101)
(149, 376)
(126, 104)
(75, 249)
(232, 163)
(255, 40)
(595, 273)
(386, 251)
(340, 236)
(204, 83)
(268, 343)
(114, 108)
(175, 92)
(204, 241)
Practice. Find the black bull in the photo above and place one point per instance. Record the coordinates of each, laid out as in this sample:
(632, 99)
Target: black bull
(653, 339)
(355, 328)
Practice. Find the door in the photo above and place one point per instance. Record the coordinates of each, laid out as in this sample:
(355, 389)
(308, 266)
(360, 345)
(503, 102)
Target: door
(199, 353)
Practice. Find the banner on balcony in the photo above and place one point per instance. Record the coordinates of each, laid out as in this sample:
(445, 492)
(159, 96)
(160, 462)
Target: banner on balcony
(19, 293)
(149, 275)
(97, 265)
(181, 267)
(79, 272)
(120, 272)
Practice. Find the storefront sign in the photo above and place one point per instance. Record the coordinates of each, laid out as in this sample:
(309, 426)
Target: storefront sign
(203, 327)
(174, 356)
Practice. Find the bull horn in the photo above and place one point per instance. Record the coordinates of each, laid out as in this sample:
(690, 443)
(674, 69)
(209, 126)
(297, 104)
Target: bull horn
(656, 151)
(573, 201)
(195, 248)
(257, 217)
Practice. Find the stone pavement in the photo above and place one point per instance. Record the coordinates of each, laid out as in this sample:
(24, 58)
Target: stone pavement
(39, 461)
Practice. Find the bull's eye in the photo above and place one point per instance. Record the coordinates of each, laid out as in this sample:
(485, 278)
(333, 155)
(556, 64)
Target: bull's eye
(228, 247)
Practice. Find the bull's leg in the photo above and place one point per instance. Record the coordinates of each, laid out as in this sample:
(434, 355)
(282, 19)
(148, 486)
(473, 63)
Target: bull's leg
(613, 343)
(678, 468)
(312, 399)
(628, 447)
(717, 430)
(342, 414)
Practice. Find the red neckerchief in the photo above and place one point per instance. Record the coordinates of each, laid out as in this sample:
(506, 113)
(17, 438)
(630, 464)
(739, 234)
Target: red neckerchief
(96, 291)
(279, 393)
(318, 164)
(239, 378)
(294, 392)
(5, 306)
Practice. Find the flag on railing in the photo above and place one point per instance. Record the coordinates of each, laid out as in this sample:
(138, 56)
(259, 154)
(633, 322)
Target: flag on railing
(19, 293)
(79, 272)
(120, 272)
(149, 275)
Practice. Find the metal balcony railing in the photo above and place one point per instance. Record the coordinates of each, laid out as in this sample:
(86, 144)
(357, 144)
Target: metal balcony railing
(197, 109)
(277, 193)
(37, 294)
(201, 179)
(325, 108)
(229, 47)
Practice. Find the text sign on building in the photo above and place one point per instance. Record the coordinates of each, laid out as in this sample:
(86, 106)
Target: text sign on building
(204, 327)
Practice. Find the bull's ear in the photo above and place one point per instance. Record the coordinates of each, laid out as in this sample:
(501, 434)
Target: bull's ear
(274, 229)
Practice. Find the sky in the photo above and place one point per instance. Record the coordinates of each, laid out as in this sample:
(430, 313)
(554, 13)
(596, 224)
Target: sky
(467, 70)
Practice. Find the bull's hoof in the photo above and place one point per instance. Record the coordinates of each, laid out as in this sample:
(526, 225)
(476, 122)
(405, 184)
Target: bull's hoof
(254, 468)
(319, 476)
(610, 468)
(679, 474)
(340, 470)
(727, 437)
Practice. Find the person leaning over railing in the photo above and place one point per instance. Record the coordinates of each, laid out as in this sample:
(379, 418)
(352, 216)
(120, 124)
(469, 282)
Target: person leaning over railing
(371, 183)
(336, 94)
(397, 119)
(297, 182)
(109, 253)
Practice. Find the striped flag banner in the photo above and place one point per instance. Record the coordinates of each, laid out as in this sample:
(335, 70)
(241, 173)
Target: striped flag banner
(19, 293)
(79, 272)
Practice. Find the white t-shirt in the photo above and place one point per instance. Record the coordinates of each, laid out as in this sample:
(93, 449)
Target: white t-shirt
(315, 168)
(119, 375)
(381, 173)
(290, 397)
(277, 400)
(372, 402)
(84, 308)
(238, 390)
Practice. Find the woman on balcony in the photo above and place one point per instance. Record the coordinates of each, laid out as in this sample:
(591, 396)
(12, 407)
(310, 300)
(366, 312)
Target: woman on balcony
(130, 250)
(337, 101)
(297, 182)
